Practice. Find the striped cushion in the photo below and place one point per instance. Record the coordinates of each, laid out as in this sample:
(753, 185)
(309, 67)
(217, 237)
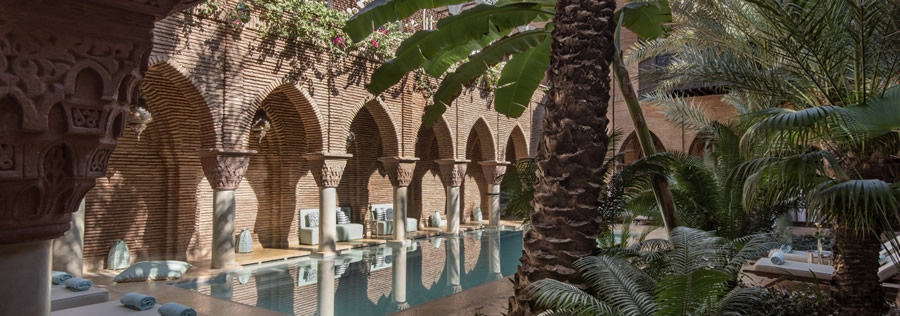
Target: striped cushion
(312, 220)
(380, 214)
(342, 217)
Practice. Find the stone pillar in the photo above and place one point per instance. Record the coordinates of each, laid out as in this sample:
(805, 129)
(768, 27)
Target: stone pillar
(325, 287)
(398, 280)
(28, 267)
(400, 172)
(224, 169)
(327, 169)
(453, 172)
(68, 250)
(452, 265)
(66, 86)
(493, 175)
(494, 272)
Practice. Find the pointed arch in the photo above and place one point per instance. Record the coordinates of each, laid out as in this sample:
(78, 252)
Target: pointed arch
(384, 120)
(632, 148)
(172, 93)
(516, 145)
(304, 107)
(485, 136)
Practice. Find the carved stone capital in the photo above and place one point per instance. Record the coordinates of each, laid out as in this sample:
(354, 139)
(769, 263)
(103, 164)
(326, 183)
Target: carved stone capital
(225, 168)
(66, 85)
(453, 171)
(493, 170)
(327, 168)
(399, 169)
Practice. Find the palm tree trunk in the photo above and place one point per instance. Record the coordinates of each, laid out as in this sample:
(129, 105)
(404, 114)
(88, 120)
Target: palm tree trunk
(857, 290)
(565, 221)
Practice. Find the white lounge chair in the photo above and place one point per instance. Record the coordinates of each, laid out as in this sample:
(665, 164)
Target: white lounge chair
(811, 272)
(63, 298)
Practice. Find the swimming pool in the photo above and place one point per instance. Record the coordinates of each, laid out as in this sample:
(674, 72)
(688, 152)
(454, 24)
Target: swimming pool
(372, 280)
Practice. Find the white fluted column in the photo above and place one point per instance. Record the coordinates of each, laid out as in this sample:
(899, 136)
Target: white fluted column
(493, 174)
(400, 172)
(453, 172)
(224, 169)
(327, 169)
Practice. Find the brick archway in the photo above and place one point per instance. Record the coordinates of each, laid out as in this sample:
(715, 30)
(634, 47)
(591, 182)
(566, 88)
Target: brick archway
(268, 199)
(301, 105)
(516, 145)
(632, 148)
(426, 192)
(480, 146)
(485, 136)
(158, 178)
(384, 120)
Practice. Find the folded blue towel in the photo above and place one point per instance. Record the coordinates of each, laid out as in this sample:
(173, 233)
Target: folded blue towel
(138, 301)
(59, 277)
(777, 258)
(175, 309)
(78, 284)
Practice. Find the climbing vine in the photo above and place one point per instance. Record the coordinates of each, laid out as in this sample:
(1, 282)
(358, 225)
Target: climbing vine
(312, 22)
(306, 21)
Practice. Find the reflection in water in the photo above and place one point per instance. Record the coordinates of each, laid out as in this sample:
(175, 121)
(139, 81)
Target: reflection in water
(398, 279)
(372, 281)
(451, 267)
(494, 255)
(325, 278)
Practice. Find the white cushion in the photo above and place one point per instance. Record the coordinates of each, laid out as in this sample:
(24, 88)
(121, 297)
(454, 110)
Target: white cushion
(153, 270)
(793, 268)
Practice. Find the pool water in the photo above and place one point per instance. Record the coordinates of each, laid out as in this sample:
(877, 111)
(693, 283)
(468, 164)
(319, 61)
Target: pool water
(373, 280)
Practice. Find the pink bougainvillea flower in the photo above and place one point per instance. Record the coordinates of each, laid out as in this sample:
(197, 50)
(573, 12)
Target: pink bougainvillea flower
(382, 30)
(340, 41)
(374, 43)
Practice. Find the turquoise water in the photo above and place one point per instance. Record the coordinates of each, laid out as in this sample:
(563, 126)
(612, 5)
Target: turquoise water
(373, 280)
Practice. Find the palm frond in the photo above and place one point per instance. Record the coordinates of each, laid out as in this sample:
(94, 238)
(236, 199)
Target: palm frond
(864, 206)
(556, 295)
(681, 294)
(619, 284)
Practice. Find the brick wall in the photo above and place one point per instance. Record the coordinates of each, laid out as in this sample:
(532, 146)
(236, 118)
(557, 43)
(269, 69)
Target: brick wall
(205, 84)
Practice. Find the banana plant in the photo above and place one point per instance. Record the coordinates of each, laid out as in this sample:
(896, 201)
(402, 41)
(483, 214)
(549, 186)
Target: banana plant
(480, 38)
(486, 35)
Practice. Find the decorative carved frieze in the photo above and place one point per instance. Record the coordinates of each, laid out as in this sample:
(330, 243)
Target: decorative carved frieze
(225, 168)
(327, 168)
(453, 172)
(493, 170)
(66, 84)
(399, 170)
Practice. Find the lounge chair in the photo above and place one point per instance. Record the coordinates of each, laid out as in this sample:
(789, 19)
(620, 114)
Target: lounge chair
(811, 272)
(309, 235)
(62, 298)
(386, 226)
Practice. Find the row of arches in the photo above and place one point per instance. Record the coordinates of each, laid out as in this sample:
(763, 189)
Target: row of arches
(156, 197)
